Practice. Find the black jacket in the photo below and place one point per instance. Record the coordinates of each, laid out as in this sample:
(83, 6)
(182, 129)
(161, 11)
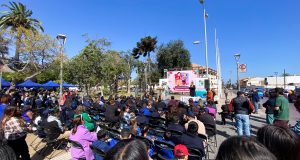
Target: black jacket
(241, 105)
(269, 105)
(190, 141)
(111, 113)
(176, 127)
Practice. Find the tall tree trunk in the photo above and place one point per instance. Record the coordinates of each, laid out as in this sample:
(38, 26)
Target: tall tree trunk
(18, 46)
(128, 85)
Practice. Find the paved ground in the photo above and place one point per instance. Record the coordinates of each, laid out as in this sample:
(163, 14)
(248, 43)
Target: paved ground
(224, 131)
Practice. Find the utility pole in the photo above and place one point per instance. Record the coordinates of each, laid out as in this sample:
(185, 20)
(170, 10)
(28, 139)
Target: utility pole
(284, 82)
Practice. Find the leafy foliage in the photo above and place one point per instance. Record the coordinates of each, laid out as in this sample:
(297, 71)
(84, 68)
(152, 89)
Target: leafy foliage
(172, 55)
(17, 17)
(144, 47)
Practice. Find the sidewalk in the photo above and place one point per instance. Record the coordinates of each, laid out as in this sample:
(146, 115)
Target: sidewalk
(228, 130)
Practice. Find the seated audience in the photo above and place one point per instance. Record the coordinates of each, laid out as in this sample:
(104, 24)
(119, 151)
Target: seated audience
(102, 143)
(125, 134)
(181, 152)
(88, 122)
(134, 128)
(27, 114)
(83, 136)
(243, 148)
(282, 142)
(206, 118)
(174, 125)
(190, 138)
(15, 131)
(50, 116)
(190, 117)
(3, 104)
(128, 150)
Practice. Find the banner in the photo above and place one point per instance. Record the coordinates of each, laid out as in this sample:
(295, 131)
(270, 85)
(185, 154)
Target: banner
(180, 81)
(200, 87)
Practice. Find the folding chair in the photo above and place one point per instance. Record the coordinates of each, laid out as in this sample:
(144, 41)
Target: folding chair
(97, 151)
(195, 154)
(206, 145)
(211, 132)
(52, 132)
(175, 133)
(76, 145)
(162, 148)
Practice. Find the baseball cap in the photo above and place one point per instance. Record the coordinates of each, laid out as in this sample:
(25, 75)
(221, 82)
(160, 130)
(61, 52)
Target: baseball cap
(180, 150)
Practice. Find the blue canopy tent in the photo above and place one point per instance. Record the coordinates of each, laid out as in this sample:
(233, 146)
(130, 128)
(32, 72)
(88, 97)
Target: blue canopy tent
(4, 83)
(66, 85)
(29, 84)
(50, 84)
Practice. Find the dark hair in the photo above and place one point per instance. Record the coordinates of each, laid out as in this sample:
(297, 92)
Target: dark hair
(125, 133)
(5, 99)
(279, 91)
(128, 150)
(172, 97)
(283, 143)
(243, 148)
(12, 111)
(101, 134)
(76, 122)
(145, 129)
(175, 119)
(192, 128)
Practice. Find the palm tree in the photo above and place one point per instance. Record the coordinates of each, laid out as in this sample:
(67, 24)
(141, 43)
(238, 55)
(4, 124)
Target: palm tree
(145, 47)
(18, 17)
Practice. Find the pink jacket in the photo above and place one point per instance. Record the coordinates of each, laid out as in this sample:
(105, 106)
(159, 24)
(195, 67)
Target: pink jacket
(85, 138)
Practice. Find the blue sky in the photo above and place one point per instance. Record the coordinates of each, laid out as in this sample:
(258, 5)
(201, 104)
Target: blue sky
(265, 32)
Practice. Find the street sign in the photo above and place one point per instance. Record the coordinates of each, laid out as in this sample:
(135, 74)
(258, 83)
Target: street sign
(242, 68)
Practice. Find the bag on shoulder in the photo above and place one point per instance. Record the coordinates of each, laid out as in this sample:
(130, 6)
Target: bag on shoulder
(251, 106)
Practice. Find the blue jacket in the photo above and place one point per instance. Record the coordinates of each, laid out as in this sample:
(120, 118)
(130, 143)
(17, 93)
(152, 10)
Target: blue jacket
(2, 109)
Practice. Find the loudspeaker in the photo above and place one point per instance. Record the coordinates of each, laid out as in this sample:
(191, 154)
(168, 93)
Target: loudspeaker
(206, 83)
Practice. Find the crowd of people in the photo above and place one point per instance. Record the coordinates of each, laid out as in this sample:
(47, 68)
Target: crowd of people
(146, 127)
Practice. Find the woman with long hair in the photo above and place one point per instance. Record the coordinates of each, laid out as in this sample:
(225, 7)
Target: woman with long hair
(83, 136)
(15, 131)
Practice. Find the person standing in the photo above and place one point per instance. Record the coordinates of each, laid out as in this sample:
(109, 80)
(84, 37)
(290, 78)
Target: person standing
(269, 105)
(192, 90)
(255, 100)
(226, 92)
(242, 107)
(281, 112)
(209, 95)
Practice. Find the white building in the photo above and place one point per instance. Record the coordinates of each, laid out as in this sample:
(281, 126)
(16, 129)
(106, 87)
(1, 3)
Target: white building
(290, 82)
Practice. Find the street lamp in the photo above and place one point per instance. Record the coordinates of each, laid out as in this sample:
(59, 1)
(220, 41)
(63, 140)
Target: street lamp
(62, 39)
(205, 16)
(237, 58)
(276, 73)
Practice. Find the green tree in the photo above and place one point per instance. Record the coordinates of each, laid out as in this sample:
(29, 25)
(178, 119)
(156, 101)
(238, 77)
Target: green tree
(131, 63)
(144, 48)
(4, 42)
(172, 55)
(18, 16)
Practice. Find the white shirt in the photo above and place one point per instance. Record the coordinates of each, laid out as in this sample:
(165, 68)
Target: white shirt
(49, 119)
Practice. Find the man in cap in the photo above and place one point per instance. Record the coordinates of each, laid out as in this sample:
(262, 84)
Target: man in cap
(181, 152)
(191, 117)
